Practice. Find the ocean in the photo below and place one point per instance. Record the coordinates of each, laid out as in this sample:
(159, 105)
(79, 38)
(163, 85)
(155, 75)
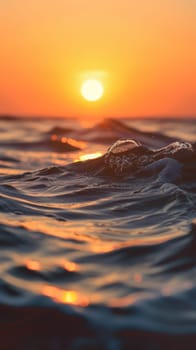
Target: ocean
(91, 260)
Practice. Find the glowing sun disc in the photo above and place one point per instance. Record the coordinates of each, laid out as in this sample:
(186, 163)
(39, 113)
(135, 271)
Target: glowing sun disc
(92, 90)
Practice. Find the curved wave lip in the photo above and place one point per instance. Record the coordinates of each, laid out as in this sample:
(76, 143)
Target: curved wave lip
(100, 253)
(129, 157)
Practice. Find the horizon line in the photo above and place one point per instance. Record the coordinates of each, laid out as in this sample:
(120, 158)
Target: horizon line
(22, 116)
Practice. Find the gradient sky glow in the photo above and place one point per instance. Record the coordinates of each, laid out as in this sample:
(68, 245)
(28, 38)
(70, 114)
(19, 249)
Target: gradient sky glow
(144, 53)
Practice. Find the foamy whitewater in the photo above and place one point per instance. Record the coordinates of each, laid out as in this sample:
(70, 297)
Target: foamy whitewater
(98, 234)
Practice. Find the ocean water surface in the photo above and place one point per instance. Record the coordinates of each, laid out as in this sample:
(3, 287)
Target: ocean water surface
(90, 261)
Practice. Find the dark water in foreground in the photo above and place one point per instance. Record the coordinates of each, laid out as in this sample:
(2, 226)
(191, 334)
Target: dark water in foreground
(91, 262)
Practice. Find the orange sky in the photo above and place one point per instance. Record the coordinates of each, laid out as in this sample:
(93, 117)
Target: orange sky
(143, 51)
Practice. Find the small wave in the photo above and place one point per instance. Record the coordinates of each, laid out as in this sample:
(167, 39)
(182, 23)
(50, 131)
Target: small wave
(6, 158)
(111, 130)
(130, 158)
(59, 130)
(55, 145)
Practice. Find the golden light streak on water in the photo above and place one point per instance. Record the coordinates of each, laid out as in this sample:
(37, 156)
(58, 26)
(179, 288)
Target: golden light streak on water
(54, 137)
(69, 140)
(95, 155)
(70, 266)
(123, 302)
(65, 296)
(73, 142)
(33, 265)
(101, 248)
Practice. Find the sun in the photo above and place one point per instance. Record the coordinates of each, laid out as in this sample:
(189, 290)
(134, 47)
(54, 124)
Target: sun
(92, 90)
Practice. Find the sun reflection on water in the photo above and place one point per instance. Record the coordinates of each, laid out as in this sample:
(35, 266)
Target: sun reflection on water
(65, 296)
(69, 140)
(124, 301)
(54, 137)
(95, 155)
(33, 265)
(70, 266)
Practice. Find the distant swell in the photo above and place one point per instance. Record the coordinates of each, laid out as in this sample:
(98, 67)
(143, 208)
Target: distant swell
(111, 130)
